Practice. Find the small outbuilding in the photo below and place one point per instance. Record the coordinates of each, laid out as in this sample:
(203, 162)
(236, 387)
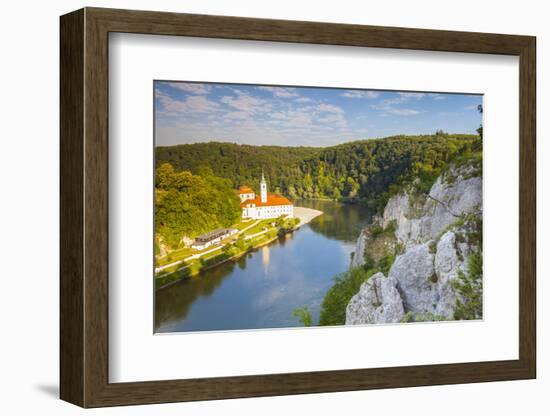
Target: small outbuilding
(212, 238)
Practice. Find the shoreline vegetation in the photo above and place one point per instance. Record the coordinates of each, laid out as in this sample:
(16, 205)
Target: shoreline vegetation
(246, 240)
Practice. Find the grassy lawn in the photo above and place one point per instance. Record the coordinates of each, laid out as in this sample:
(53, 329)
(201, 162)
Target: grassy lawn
(243, 224)
(259, 227)
(176, 255)
(184, 252)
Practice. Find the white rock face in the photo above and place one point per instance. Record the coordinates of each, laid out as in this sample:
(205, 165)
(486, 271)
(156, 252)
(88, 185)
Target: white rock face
(359, 253)
(424, 280)
(450, 258)
(378, 301)
(413, 272)
(440, 209)
(420, 281)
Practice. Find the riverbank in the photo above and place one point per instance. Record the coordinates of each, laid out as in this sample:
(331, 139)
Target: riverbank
(230, 252)
(306, 215)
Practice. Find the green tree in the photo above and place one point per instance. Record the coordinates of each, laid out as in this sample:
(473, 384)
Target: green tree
(470, 288)
(303, 315)
(189, 205)
(346, 285)
(241, 242)
(480, 128)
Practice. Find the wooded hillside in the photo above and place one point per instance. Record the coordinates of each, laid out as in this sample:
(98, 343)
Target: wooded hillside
(369, 170)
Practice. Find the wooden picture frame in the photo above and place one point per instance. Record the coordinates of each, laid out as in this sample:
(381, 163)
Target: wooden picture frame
(84, 207)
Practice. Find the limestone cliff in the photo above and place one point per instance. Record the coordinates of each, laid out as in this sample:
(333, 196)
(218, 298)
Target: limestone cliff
(428, 239)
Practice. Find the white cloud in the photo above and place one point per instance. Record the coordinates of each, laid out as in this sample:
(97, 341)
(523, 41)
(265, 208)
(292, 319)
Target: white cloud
(236, 115)
(281, 92)
(403, 111)
(412, 95)
(360, 94)
(303, 100)
(200, 104)
(330, 108)
(332, 115)
(299, 120)
(190, 87)
(278, 116)
(191, 104)
(388, 105)
(336, 120)
(245, 102)
(158, 92)
(389, 102)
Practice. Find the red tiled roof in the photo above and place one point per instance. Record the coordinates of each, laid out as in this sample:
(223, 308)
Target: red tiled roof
(272, 200)
(246, 190)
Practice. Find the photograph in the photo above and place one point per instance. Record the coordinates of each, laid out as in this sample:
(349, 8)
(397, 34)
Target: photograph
(302, 206)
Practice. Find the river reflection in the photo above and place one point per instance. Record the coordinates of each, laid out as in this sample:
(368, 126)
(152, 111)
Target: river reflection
(261, 289)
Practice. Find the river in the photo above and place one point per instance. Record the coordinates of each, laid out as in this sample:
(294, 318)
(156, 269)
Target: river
(261, 289)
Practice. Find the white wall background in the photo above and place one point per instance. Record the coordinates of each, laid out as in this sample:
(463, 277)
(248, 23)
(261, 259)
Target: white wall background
(29, 159)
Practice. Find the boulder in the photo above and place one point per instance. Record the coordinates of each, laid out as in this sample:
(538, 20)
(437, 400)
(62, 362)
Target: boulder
(378, 301)
(415, 276)
(450, 259)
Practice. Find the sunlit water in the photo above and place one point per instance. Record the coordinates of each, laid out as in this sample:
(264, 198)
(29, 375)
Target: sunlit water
(261, 289)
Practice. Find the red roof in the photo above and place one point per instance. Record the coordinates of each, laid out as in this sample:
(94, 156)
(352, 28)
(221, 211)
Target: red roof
(272, 200)
(245, 190)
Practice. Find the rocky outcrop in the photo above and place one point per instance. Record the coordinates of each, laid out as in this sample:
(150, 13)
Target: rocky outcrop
(450, 259)
(358, 258)
(414, 273)
(378, 300)
(422, 218)
(433, 232)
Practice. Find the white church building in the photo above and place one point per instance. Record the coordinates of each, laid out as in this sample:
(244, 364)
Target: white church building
(265, 205)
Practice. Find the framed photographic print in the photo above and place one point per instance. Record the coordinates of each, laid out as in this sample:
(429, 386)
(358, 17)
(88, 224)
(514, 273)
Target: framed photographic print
(255, 207)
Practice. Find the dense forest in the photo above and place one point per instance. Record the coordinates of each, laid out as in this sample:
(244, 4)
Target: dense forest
(189, 204)
(368, 171)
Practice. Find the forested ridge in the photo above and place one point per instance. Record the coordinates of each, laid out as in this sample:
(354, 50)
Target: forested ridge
(367, 171)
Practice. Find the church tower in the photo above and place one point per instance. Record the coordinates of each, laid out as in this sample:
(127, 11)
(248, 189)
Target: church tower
(263, 189)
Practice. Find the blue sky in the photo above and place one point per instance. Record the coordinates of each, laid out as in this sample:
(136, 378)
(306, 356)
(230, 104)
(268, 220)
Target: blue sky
(302, 116)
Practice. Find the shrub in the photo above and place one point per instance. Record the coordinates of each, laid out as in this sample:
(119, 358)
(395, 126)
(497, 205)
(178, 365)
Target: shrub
(408, 317)
(391, 227)
(399, 248)
(304, 315)
(470, 288)
(346, 285)
(385, 263)
(376, 230)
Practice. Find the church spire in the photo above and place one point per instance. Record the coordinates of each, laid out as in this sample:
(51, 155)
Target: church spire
(263, 189)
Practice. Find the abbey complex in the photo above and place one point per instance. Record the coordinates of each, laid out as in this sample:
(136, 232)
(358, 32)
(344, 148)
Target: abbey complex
(265, 205)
